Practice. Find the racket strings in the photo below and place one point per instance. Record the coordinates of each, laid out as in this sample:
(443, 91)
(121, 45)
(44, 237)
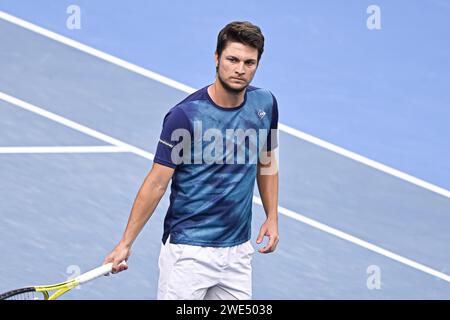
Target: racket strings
(26, 296)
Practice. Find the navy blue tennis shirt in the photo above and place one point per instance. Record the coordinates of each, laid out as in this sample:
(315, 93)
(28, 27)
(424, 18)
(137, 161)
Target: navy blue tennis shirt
(214, 151)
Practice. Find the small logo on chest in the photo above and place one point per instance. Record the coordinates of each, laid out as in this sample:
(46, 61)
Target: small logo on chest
(261, 114)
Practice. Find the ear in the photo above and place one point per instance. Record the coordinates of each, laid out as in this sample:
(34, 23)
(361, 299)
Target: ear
(216, 59)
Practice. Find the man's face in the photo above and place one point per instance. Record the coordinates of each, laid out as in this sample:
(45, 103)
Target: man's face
(236, 66)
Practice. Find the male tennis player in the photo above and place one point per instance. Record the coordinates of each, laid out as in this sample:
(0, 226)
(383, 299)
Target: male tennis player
(206, 251)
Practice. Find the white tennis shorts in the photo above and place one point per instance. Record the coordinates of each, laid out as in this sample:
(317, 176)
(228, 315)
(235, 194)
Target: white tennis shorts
(189, 272)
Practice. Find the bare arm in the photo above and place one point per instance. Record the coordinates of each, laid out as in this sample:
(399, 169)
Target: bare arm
(147, 199)
(267, 179)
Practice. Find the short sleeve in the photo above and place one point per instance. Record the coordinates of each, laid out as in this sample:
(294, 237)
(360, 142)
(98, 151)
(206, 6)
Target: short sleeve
(175, 119)
(272, 137)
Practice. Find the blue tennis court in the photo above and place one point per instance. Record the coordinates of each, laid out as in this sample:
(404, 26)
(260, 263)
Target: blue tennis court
(364, 141)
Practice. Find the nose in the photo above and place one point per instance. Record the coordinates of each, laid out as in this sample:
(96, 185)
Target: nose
(240, 69)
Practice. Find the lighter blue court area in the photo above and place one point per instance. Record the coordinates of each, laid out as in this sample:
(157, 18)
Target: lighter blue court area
(21, 128)
(381, 94)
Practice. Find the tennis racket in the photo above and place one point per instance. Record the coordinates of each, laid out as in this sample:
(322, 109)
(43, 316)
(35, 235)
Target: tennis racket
(43, 292)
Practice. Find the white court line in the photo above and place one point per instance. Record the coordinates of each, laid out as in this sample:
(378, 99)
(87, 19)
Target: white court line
(359, 242)
(177, 85)
(77, 149)
(256, 200)
(76, 126)
(96, 53)
(371, 163)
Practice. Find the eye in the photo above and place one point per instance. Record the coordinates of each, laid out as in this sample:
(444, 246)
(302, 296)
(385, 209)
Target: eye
(231, 59)
(250, 63)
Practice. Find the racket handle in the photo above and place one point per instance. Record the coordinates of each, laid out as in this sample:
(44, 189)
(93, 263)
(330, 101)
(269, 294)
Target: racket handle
(95, 273)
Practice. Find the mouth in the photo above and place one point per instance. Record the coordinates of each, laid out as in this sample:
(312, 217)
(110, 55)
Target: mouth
(238, 79)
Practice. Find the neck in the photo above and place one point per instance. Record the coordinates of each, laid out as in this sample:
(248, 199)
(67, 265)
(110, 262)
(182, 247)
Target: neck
(225, 98)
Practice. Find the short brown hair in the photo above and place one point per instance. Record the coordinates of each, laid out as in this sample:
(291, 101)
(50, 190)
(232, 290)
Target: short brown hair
(241, 31)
